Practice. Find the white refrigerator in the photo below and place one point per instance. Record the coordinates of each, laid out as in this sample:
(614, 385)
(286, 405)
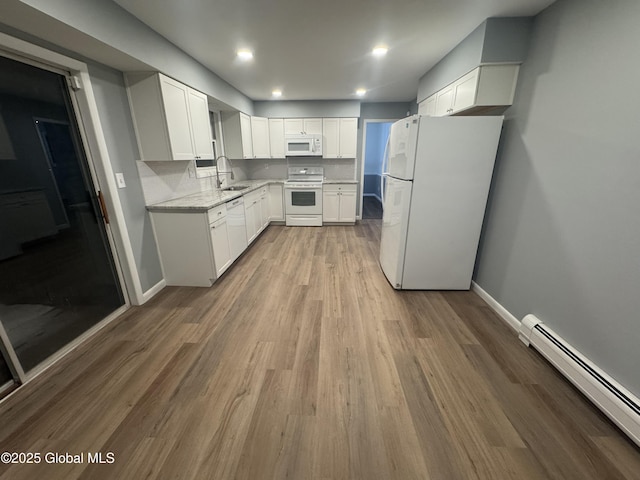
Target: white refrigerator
(437, 178)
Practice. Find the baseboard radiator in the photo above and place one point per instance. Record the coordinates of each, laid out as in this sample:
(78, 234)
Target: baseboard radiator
(620, 405)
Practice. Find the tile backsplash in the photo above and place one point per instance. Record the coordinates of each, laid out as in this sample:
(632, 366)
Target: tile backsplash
(334, 168)
(163, 181)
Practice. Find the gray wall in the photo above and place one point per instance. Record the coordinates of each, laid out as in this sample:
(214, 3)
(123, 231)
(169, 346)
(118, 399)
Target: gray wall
(496, 40)
(506, 39)
(117, 126)
(307, 108)
(464, 57)
(562, 232)
(105, 32)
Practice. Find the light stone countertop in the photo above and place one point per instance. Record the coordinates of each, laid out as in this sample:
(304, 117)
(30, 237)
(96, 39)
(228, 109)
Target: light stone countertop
(330, 182)
(203, 201)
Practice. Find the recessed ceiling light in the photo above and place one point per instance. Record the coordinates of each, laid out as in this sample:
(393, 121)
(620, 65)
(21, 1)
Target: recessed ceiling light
(277, 93)
(380, 51)
(361, 92)
(245, 54)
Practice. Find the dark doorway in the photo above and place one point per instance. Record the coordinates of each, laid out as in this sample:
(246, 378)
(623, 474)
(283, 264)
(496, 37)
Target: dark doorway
(377, 134)
(371, 208)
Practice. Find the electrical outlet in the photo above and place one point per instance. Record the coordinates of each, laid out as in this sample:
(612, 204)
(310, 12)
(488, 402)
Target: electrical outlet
(120, 180)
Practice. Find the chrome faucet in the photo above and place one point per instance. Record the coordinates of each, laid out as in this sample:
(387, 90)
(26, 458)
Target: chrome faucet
(218, 172)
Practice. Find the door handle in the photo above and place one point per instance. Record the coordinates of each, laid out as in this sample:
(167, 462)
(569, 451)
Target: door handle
(103, 207)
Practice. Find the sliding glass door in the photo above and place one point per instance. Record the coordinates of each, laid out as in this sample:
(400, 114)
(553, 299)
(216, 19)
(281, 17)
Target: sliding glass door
(57, 273)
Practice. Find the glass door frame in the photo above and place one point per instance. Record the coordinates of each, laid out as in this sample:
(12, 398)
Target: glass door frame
(11, 359)
(84, 113)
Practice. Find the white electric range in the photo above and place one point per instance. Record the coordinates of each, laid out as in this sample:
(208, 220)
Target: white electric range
(303, 196)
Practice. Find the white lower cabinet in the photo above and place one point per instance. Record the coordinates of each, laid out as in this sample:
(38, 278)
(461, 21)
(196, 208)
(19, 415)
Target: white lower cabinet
(339, 203)
(264, 207)
(276, 202)
(192, 252)
(236, 227)
(220, 246)
(196, 248)
(251, 211)
(256, 207)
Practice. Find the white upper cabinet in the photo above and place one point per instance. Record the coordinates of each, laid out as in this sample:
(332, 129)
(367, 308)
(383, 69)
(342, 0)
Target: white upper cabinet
(175, 97)
(340, 137)
(313, 126)
(236, 131)
(482, 90)
(348, 137)
(276, 137)
(464, 91)
(246, 135)
(331, 134)
(293, 126)
(443, 101)
(200, 124)
(303, 126)
(260, 137)
(427, 107)
(171, 120)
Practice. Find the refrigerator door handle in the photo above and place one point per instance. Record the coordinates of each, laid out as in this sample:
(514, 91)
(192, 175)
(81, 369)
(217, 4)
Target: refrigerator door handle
(385, 164)
(383, 184)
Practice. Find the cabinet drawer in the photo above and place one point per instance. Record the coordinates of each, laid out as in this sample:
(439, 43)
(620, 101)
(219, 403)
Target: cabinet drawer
(217, 213)
(252, 196)
(339, 187)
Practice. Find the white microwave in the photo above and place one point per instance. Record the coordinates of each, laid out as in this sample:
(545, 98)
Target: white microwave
(303, 145)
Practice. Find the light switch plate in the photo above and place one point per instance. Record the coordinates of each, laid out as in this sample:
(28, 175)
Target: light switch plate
(120, 180)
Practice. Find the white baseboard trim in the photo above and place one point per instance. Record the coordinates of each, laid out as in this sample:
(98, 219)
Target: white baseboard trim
(502, 312)
(149, 294)
(372, 195)
(615, 401)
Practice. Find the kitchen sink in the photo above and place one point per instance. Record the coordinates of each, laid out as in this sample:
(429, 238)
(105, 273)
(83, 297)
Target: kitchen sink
(234, 188)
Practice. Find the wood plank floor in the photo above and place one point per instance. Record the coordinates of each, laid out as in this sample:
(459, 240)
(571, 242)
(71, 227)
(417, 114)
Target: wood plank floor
(303, 363)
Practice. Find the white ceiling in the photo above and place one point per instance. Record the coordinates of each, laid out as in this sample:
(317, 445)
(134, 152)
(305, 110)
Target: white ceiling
(321, 49)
